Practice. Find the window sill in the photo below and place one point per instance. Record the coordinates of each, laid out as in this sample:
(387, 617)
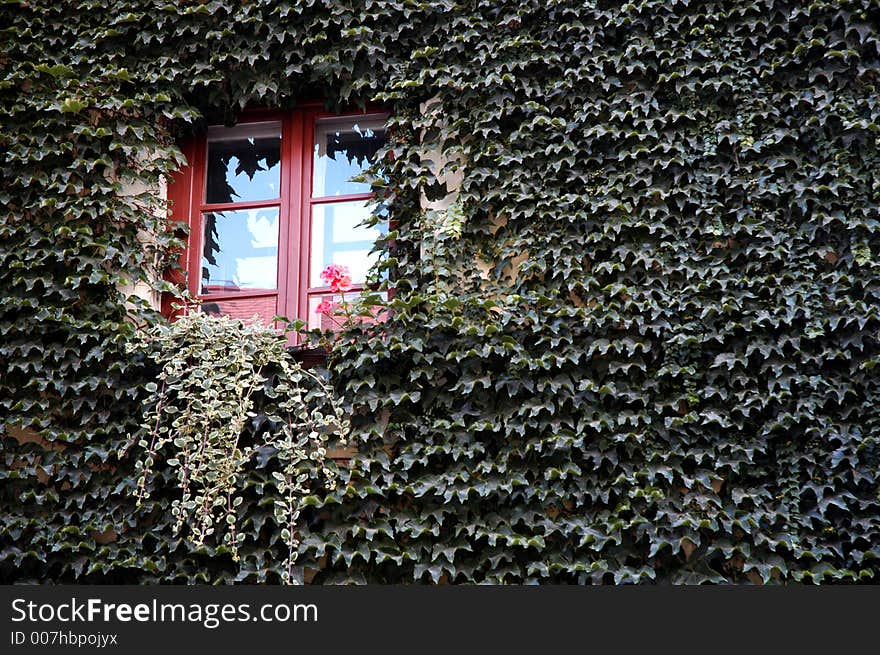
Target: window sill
(309, 357)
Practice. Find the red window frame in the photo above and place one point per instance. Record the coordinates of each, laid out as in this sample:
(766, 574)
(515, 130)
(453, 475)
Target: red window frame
(187, 193)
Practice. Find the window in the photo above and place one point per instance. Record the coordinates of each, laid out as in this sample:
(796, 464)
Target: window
(270, 202)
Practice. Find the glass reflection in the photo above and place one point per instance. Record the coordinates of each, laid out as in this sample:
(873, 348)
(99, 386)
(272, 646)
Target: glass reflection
(240, 251)
(327, 319)
(257, 310)
(339, 238)
(244, 163)
(344, 148)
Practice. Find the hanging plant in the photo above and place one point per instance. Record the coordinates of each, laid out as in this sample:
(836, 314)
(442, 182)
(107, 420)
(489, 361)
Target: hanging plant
(200, 418)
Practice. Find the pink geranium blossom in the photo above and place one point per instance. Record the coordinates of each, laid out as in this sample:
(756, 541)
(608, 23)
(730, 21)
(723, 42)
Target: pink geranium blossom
(325, 307)
(337, 277)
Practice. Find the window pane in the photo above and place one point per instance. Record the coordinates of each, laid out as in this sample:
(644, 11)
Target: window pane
(344, 148)
(244, 162)
(239, 251)
(248, 309)
(327, 320)
(337, 238)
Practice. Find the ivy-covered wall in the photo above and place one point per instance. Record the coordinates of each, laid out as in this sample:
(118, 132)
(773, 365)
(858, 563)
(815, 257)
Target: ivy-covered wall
(641, 349)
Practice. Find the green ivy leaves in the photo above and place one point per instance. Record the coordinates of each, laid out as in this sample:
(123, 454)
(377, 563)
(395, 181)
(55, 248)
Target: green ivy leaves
(641, 348)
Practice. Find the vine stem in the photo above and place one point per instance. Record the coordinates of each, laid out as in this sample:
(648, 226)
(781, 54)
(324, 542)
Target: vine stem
(232, 533)
(151, 451)
(290, 527)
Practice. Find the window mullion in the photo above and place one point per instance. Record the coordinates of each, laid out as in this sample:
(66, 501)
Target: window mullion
(307, 133)
(197, 198)
(289, 300)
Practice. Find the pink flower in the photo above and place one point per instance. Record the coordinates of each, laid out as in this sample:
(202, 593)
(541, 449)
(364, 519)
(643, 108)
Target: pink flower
(342, 284)
(325, 307)
(337, 277)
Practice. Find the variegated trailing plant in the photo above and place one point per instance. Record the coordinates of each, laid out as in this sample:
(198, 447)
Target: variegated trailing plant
(199, 422)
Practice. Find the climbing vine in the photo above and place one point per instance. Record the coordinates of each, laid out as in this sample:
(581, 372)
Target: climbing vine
(641, 346)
